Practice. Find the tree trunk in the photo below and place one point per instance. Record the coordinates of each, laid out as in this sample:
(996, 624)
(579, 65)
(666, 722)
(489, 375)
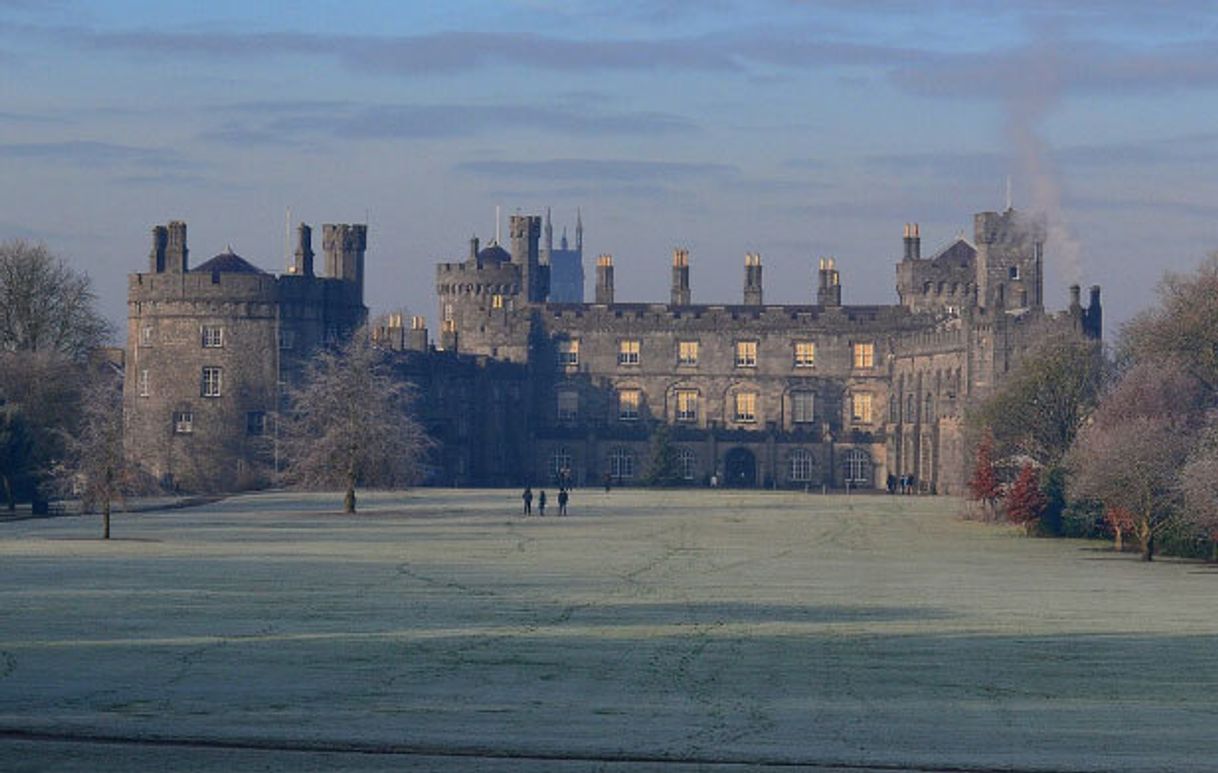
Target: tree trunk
(349, 500)
(1118, 540)
(1146, 541)
(106, 519)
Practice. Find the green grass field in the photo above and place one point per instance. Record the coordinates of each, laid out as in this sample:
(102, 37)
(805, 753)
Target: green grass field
(678, 631)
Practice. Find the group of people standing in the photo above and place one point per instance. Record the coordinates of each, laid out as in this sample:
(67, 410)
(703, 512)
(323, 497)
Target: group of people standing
(564, 496)
(906, 484)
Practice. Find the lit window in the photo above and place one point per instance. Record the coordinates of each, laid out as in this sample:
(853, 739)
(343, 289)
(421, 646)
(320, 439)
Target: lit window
(496, 301)
(746, 354)
(628, 352)
(860, 407)
(628, 404)
(211, 382)
(687, 405)
(687, 353)
(802, 407)
(183, 422)
(687, 463)
(568, 405)
(255, 423)
(805, 354)
(568, 353)
(287, 339)
(448, 312)
(213, 337)
(801, 466)
(144, 389)
(746, 406)
(864, 355)
(621, 463)
(146, 335)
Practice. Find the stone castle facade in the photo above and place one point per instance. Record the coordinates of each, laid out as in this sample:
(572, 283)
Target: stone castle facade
(520, 387)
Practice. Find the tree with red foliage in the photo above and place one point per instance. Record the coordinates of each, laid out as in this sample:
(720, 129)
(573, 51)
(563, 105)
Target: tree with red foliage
(983, 485)
(1120, 521)
(1025, 501)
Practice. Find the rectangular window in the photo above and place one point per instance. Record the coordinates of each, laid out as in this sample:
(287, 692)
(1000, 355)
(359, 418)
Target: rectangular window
(802, 407)
(496, 301)
(628, 404)
(183, 422)
(568, 406)
(864, 355)
(211, 382)
(448, 312)
(255, 423)
(628, 352)
(146, 335)
(746, 354)
(144, 389)
(287, 339)
(687, 353)
(746, 406)
(860, 407)
(213, 337)
(687, 405)
(805, 354)
(568, 353)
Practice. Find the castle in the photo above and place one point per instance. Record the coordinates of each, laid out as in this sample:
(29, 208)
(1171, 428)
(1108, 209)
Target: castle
(520, 386)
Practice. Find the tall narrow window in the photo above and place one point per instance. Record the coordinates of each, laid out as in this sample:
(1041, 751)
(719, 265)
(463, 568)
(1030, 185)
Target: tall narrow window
(746, 406)
(213, 337)
(746, 354)
(212, 378)
(146, 335)
(687, 405)
(621, 463)
(802, 407)
(496, 301)
(628, 352)
(800, 466)
(858, 467)
(628, 404)
(864, 355)
(687, 463)
(144, 389)
(687, 353)
(860, 407)
(805, 354)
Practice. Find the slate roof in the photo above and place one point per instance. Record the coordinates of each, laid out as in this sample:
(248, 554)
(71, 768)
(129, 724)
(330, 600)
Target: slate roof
(227, 262)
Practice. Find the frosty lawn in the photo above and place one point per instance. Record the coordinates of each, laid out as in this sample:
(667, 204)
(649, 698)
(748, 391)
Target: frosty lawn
(670, 631)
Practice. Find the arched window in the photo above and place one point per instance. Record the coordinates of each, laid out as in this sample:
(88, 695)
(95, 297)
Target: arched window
(687, 463)
(621, 463)
(800, 466)
(858, 468)
(561, 468)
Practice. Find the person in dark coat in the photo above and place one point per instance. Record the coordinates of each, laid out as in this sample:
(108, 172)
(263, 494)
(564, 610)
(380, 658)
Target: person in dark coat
(608, 482)
(527, 496)
(541, 503)
(563, 496)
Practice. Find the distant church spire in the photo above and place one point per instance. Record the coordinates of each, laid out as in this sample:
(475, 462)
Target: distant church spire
(549, 233)
(563, 243)
(579, 230)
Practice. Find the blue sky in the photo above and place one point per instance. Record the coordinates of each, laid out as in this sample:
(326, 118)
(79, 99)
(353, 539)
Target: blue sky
(794, 128)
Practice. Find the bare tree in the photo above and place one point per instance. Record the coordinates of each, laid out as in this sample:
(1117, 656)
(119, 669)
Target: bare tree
(1198, 487)
(45, 306)
(1183, 325)
(96, 467)
(350, 423)
(1139, 438)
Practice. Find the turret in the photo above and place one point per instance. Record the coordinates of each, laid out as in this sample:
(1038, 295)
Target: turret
(913, 242)
(302, 263)
(525, 233)
(344, 245)
(829, 292)
(1093, 319)
(156, 258)
(176, 255)
(604, 279)
(752, 279)
(680, 277)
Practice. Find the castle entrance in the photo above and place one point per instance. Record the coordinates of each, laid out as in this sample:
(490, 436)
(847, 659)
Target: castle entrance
(740, 469)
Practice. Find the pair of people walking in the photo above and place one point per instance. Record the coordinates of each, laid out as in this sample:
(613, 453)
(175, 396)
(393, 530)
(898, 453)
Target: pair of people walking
(527, 498)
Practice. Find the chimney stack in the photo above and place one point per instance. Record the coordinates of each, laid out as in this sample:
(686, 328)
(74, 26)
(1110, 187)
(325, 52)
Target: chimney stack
(680, 277)
(752, 279)
(417, 338)
(156, 258)
(830, 291)
(177, 259)
(913, 242)
(604, 279)
(303, 263)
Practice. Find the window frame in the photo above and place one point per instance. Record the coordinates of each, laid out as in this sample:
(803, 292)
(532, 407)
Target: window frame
(183, 422)
(684, 361)
(746, 353)
(686, 413)
(800, 464)
(211, 336)
(860, 400)
(863, 354)
(808, 361)
(635, 405)
(629, 351)
(143, 386)
(797, 397)
(211, 383)
(749, 399)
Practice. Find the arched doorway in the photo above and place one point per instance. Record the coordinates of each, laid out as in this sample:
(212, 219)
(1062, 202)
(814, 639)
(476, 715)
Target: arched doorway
(740, 468)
